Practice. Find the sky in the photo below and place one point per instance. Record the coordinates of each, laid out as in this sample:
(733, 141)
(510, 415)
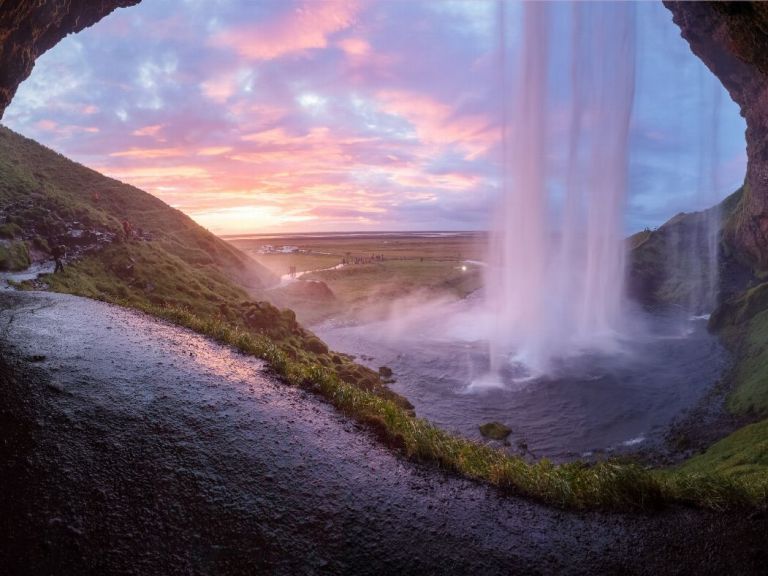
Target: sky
(324, 115)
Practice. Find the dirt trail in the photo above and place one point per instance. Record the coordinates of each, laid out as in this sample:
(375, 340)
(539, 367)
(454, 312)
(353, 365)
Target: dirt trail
(134, 447)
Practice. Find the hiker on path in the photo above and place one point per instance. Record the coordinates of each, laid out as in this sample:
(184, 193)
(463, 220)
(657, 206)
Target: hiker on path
(59, 252)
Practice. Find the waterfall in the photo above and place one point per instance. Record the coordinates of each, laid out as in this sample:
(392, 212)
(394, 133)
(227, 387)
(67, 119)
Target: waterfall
(692, 240)
(709, 191)
(554, 285)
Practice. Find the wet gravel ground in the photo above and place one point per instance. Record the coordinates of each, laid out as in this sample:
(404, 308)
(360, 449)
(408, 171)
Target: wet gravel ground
(130, 446)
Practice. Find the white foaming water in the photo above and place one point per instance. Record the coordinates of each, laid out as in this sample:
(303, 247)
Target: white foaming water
(556, 288)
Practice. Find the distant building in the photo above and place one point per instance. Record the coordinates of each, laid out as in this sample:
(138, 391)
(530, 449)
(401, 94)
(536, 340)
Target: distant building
(270, 249)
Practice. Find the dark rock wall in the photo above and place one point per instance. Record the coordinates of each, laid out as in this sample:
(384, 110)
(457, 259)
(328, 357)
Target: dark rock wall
(731, 38)
(30, 27)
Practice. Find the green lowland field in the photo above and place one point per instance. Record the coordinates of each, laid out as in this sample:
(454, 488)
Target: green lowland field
(377, 270)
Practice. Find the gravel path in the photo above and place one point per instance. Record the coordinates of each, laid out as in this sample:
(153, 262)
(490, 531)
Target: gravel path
(130, 446)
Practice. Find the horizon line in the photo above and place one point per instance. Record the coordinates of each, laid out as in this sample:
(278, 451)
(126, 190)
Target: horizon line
(352, 232)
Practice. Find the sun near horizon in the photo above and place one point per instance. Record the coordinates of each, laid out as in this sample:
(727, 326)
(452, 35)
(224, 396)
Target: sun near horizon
(338, 115)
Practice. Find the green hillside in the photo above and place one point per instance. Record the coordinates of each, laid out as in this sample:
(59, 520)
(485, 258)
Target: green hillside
(42, 190)
(741, 320)
(666, 264)
(173, 268)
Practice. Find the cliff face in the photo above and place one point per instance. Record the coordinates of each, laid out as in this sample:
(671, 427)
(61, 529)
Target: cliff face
(731, 38)
(27, 29)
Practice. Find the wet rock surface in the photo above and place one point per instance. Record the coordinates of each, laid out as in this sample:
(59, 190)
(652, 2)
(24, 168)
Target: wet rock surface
(130, 446)
(731, 38)
(28, 29)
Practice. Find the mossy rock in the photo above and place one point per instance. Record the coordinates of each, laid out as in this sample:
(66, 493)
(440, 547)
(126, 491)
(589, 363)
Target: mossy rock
(314, 344)
(669, 265)
(10, 230)
(14, 256)
(495, 431)
(741, 309)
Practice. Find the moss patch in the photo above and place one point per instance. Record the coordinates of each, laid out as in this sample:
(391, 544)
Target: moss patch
(666, 265)
(10, 231)
(743, 455)
(750, 393)
(14, 256)
(495, 431)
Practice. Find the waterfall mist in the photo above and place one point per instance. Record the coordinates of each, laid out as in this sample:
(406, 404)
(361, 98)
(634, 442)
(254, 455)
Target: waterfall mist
(555, 284)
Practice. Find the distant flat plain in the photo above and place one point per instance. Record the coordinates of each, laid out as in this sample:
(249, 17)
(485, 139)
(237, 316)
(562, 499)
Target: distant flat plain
(381, 267)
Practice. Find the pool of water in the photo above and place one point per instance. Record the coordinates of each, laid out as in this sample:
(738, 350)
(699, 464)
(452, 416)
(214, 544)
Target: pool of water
(587, 403)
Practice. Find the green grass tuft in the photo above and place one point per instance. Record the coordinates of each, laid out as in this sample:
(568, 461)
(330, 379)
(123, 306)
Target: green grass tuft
(495, 430)
(743, 455)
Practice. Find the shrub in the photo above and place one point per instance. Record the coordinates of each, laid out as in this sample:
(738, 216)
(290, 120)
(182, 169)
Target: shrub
(14, 257)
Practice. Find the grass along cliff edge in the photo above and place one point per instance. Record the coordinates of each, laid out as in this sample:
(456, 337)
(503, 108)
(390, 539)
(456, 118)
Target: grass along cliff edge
(174, 269)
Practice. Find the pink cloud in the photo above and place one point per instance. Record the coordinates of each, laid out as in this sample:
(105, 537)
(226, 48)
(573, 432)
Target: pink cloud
(214, 150)
(47, 125)
(437, 123)
(253, 117)
(355, 47)
(149, 153)
(64, 131)
(221, 88)
(153, 130)
(413, 177)
(154, 176)
(305, 28)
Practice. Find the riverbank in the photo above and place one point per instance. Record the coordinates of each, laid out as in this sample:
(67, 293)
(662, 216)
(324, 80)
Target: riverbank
(137, 447)
(589, 406)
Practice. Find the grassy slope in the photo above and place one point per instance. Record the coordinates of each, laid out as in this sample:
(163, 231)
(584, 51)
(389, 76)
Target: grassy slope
(183, 275)
(742, 322)
(744, 454)
(664, 266)
(184, 269)
(31, 171)
(751, 391)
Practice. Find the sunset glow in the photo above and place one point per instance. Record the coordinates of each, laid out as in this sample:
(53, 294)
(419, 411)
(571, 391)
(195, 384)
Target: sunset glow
(330, 115)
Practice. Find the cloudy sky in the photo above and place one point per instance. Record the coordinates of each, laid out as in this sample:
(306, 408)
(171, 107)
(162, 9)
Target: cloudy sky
(309, 115)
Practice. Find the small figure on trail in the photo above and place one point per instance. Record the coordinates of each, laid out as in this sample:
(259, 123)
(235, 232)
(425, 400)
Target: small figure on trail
(58, 251)
(127, 229)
